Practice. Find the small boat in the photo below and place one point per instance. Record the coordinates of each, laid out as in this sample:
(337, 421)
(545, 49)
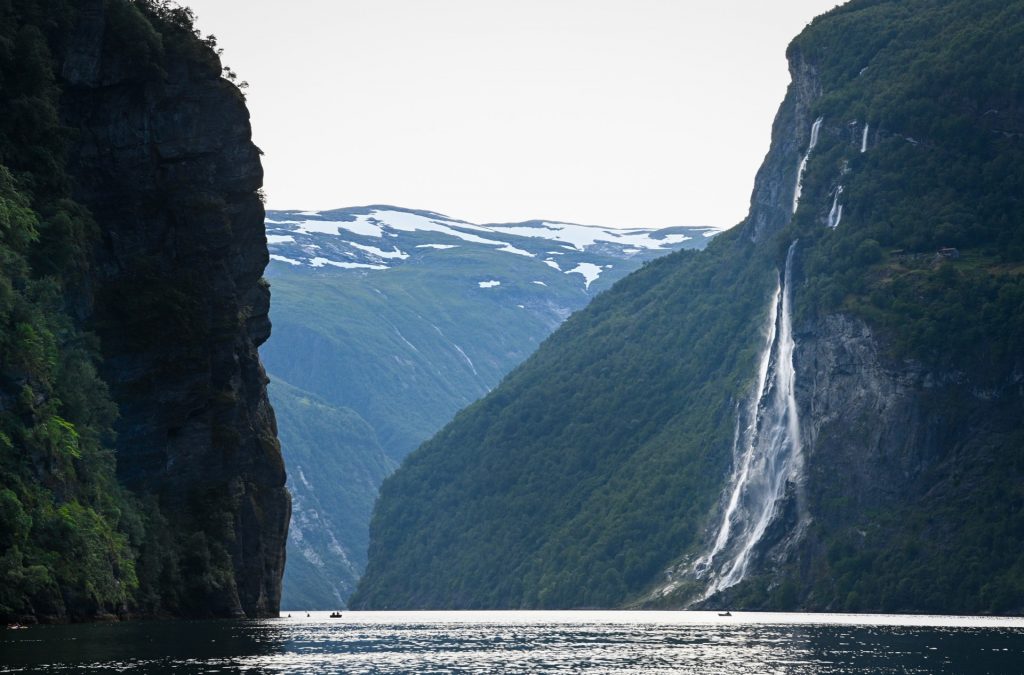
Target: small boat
(725, 614)
(335, 615)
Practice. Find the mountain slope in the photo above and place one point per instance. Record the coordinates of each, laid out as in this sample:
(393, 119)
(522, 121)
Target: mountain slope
(335, 465)
(402, 318)
(820, 411)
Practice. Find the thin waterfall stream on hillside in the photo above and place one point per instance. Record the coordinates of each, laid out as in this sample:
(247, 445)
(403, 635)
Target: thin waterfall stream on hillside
(815, 131)
(835, 216)
(766, 453)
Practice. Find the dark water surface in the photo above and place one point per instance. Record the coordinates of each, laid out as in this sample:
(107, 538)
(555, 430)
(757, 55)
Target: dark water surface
(527, 642)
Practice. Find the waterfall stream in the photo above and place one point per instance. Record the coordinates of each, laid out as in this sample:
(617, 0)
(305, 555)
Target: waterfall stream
(864, 139)
(766, 450)
(836, 214)
(815, 130)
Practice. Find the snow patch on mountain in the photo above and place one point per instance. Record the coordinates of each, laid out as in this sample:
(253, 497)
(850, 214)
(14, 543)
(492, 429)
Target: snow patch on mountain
(373, 250)
(590, 272)
(582, 236)
(281, 258)
(489, 284)
(320, 262)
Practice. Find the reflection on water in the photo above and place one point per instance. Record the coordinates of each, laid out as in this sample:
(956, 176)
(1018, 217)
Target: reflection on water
(527, 642)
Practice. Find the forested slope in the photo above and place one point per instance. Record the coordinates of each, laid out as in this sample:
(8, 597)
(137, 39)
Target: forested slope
(611, 468)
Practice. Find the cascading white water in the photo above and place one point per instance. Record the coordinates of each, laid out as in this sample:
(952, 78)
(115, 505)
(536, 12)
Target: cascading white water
(864, 139)
(743, 442)
(815, 130)
(771, 451)
(836, 214)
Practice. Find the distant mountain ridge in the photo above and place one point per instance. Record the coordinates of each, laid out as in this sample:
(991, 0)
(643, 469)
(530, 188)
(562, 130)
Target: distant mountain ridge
(368, 238)
(387, 321)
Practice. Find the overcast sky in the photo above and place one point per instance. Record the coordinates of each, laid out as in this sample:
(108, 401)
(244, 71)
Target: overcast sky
(610, 112)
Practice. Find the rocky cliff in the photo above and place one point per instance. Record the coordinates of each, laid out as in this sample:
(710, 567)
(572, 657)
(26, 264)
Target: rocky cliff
(158, 150)
(167, 166)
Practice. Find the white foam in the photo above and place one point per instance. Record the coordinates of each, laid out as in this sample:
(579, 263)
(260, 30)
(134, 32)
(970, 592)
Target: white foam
(539, 283)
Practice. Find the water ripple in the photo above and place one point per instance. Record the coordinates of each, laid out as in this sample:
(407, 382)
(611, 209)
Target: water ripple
(526, 642)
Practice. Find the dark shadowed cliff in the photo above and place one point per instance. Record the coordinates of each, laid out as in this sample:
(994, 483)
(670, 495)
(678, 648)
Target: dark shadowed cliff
(154, 157)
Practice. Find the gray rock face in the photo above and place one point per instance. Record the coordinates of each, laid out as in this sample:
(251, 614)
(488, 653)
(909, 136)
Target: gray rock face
(165, 162)
(772, 197)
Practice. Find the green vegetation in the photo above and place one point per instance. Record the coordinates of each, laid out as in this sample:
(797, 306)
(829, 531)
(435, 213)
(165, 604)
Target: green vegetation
(598, 464)
(572, 483)
(942, 90)
(65, 524)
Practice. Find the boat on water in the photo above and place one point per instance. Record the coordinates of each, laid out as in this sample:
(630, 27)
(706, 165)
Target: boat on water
(335, 615)
(725, 614)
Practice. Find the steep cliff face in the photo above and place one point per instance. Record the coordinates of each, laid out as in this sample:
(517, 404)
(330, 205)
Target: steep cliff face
(772, 198)
(131, 308)
(164, 161)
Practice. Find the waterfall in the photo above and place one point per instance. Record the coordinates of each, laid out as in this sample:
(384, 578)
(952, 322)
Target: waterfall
(864, 139)
(766, 454)
(815, 129)
(836, 214)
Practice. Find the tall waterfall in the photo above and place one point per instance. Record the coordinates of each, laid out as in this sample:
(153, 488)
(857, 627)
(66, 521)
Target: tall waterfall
(767, 450)
(864, 139)
(836, 214)
(815, 129)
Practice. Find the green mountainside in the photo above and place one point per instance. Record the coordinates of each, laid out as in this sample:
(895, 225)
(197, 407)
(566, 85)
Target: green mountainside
(387, 321)
(335, 466)
(613, 466)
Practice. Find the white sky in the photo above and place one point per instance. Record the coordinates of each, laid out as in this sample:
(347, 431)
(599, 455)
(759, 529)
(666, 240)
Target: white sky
(609, 112)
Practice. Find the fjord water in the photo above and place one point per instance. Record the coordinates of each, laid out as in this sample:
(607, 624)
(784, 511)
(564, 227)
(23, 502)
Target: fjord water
(527, 642)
